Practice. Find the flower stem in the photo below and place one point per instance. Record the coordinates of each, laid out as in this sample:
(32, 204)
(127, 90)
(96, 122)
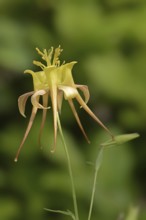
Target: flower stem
(93, 193)
(97, 167)
(70, 170)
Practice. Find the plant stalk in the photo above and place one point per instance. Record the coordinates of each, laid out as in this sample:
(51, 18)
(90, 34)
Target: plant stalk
(70, 169)
(93, 193)
(97, 167)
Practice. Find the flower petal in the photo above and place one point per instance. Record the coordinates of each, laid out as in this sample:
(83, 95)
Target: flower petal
(85, 91)
(45, 103)
(22, 102)
(65, 72)
(32, 117)
(69, 92)
(77, 119)
(59, 100)
(53, 93)
(35, 99)
(39, 79)
(88, 110)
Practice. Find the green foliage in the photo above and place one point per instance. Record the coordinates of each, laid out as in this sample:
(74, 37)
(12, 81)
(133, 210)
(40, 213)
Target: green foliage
(133, 214)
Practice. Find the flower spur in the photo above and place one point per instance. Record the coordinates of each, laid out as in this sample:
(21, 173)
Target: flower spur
(54, 81)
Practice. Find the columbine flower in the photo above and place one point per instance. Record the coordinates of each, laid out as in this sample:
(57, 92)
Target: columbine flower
(54, 81)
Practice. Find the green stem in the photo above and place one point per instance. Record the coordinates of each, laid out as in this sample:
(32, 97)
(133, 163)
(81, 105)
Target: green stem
(97, 167)
(93, 193)
(70, 170)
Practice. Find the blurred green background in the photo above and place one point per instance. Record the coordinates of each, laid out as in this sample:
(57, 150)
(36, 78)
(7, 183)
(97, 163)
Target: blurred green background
(108, 39)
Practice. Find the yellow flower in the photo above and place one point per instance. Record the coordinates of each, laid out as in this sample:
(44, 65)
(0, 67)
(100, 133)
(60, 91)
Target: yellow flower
(54, 81)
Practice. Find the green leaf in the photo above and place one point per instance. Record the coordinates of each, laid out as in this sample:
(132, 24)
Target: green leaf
(68, 212)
